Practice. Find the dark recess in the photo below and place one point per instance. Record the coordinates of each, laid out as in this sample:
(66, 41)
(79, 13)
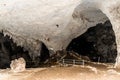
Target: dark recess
(10, 51)
(98, 43)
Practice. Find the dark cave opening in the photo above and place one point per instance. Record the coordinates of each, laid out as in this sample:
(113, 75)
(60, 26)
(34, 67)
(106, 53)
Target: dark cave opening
(10, 51)
(98, 43)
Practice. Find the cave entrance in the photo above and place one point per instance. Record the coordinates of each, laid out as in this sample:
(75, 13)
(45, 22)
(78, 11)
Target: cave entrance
(98, 43)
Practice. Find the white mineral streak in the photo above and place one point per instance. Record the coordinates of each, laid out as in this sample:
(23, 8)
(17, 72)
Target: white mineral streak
(55, 22)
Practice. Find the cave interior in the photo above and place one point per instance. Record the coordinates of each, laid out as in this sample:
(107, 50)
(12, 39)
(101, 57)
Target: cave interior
(98, 42)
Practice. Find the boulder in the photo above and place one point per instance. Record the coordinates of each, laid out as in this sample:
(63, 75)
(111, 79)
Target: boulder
(18, 65)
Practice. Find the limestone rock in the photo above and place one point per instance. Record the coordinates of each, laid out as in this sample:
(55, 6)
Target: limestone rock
(18, 65)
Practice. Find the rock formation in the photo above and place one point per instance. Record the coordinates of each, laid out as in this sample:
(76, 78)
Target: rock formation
(18, 65)
(55, 23)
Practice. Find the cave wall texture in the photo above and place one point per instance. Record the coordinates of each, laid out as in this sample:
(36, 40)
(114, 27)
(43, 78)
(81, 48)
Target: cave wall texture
(55, 23)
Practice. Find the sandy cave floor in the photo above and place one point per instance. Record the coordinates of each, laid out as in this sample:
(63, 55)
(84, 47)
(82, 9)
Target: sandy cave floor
(76, 72)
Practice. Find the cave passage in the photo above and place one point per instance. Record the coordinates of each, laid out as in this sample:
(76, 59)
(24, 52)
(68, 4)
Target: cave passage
(98, 43)
(10, 51)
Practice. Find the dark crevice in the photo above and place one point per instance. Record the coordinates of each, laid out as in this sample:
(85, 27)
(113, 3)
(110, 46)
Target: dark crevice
(97, 42)
(44, 53)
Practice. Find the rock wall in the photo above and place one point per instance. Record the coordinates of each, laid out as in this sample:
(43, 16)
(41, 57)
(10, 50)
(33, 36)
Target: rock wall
(55, 23)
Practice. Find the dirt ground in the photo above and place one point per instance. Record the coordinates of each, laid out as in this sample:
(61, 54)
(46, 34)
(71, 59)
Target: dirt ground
(76, 72)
